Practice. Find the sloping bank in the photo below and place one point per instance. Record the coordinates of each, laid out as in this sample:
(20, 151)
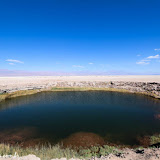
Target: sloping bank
(150, 89)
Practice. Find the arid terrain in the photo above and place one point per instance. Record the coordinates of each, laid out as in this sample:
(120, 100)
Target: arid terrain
(149, 85)
(42, 80)
(143, 84)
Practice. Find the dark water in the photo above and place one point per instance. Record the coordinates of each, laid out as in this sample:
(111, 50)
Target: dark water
(53, 116)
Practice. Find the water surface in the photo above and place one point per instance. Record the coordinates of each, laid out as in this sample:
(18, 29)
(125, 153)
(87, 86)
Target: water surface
(53, 116)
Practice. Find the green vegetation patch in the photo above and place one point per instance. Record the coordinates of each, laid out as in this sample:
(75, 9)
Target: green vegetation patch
(97, 151)
(49, 152)
(155, 139)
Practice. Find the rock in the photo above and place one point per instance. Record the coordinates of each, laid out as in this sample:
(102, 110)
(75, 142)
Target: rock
(29, 157)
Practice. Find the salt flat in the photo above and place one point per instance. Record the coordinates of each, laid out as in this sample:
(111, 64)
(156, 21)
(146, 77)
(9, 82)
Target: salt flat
(13, 82)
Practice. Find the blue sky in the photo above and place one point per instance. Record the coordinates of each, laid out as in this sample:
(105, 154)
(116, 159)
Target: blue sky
(91, 36)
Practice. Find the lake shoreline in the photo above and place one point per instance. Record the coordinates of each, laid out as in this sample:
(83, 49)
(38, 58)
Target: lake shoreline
(10, 89)
(150, 90)
(148, 85)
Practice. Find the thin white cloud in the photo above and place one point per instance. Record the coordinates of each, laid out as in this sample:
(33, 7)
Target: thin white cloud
(142, 62)
(157, 49)
(90, 63)
(77, 66)
(11, 63)
(145, 60)
(148, 59)
(154, 57)
(138, 55)
(14, 61)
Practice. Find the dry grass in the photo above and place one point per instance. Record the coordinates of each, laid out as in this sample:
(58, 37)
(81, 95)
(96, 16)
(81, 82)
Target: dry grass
(43, 152)
(3, 97)
(50, 152)
(17, 94)
(88, 89)
(22, 93)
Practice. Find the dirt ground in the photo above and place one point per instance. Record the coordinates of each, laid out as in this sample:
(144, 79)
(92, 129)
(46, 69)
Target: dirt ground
(127, 154)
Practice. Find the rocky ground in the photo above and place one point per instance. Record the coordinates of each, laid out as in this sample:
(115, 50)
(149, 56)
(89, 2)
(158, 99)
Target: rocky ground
(127, 154)
(144, 84)
(29, 157)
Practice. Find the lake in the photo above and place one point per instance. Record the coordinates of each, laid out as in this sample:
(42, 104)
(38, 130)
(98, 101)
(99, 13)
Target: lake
(114, 117)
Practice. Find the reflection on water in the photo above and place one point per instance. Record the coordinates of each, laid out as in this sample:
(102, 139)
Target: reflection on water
(95, 117)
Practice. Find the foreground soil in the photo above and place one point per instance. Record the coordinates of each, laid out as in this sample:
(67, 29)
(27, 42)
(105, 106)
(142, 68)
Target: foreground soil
(127, 154)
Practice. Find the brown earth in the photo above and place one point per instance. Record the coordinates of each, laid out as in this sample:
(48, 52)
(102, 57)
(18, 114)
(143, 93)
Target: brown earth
(24, 137)
(83, 139)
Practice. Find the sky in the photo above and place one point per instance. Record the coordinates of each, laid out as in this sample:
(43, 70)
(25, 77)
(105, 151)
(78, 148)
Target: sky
(80, 36)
